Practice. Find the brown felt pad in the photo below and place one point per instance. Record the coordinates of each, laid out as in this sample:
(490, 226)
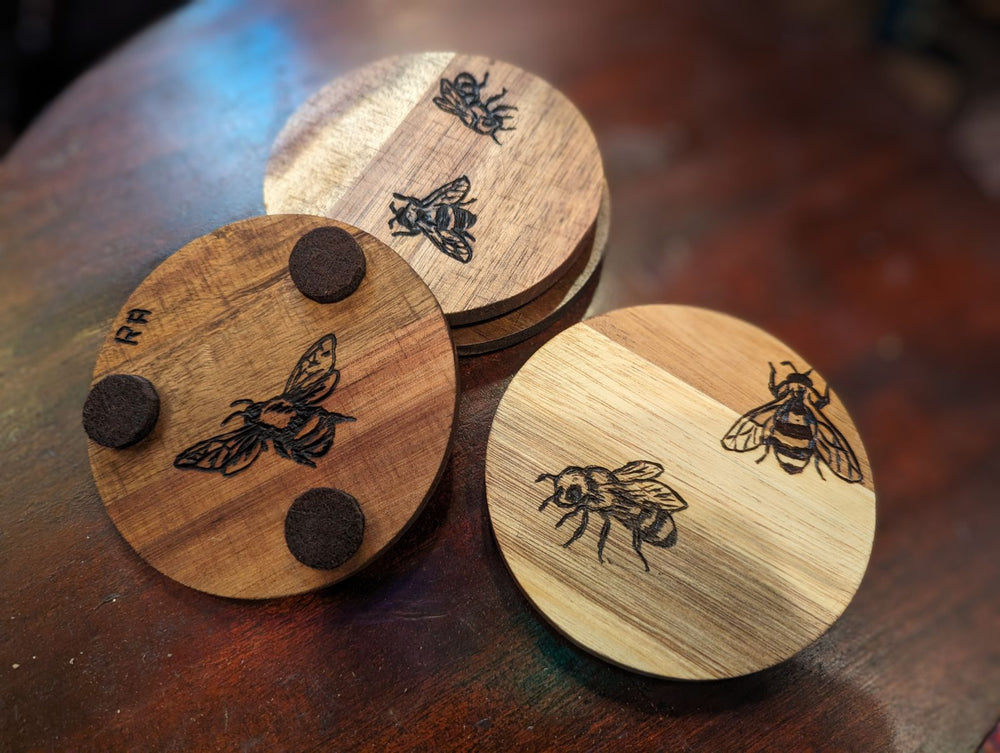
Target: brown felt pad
(120, 410)
(327, 264)
(324, 528)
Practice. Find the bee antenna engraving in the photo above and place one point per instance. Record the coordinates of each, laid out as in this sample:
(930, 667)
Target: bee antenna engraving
(545, 476)
(231, 416)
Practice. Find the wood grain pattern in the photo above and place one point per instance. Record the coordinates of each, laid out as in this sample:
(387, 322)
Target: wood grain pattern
(765, 560)
(226, 322)
(376, 132)
(531, 318)
(826, 214)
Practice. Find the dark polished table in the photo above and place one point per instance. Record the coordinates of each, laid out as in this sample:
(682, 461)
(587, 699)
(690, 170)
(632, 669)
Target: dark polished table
(756, 166)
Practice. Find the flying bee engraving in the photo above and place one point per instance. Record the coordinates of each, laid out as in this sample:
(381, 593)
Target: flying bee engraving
(441, 216)
(463, 98)
(793, 425)
(292, 422)
(632, 495)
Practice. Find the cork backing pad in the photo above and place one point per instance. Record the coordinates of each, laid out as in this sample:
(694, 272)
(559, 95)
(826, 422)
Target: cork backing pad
(527, 320)
(511, 194)
(222, 320)
(748, 561)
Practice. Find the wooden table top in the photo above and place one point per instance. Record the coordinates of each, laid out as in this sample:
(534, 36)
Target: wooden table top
(756, 166)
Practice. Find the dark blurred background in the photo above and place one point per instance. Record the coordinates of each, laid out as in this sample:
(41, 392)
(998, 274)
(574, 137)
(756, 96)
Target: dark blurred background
(942, 57)
(45, 44)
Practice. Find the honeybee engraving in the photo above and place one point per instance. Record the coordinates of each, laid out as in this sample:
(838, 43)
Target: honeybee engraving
(292, 422)
(441, 216)
(463, 98)
(632, 495)
(793, 425)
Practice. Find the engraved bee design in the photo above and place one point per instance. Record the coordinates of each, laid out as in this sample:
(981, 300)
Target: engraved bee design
(794, 427)
(632, 495)
(292, 422)
(463, 98)
(441, 216)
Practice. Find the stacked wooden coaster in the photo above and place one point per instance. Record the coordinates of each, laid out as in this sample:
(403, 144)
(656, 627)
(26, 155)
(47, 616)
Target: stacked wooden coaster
(486, 179)
(679, 493)
(272, 407)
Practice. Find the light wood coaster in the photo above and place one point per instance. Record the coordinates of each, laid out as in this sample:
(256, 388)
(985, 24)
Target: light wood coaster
(485, 178)
(531, 318)
(268, 398)
(673, 505)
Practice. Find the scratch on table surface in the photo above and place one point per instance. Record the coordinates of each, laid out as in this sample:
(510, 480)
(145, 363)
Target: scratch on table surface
(109, 599)
(395, 719)
(401, 617)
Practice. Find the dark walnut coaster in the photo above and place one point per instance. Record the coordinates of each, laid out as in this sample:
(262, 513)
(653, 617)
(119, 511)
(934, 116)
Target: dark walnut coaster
(483, 177)
(694, 503)
(296, 440)
(531, 318)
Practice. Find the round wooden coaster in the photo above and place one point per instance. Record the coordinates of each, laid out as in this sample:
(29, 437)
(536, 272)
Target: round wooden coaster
(265, 395)
(679, 493)
(483, 177)
(531, 318)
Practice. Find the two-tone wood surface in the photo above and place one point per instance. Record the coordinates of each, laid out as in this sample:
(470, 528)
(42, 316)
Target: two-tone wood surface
(485, 178)
(222, 321)
(673, 506)
(531, 318)
(756, 166)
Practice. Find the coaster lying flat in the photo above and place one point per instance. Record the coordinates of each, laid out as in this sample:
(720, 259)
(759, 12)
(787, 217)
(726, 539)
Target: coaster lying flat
(671, 501)
(483, 177)
(531, 318)
(295, 440)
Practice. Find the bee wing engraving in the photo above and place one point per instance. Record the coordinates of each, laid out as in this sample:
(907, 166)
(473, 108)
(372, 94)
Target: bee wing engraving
(456, 245)
(751, 428)
(834, 449)
(314, 376)
(638, 470)
(450, 193)
(655, 494)
(451, 99)
(230, 453)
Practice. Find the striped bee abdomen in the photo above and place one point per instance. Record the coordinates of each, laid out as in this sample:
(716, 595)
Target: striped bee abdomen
(793, 440)
(660, 530)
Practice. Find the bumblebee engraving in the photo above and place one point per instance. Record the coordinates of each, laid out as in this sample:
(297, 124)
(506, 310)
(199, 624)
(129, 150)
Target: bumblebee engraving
(292, 422)
(794, 427)
(463, 98)
(632, 495)
(441, 216)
